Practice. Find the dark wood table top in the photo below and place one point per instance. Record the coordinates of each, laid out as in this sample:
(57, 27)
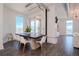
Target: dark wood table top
(31, 35)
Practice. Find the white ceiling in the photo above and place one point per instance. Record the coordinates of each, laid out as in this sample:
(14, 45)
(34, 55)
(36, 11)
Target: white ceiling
(20, 7)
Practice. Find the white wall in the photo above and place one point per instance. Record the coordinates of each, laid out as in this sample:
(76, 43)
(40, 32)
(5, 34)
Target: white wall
(1, 26)
(76, 26)
(52, 27)
(61, 13)
(60, 10)
(9, 22)
(62, 26)
(26, 22)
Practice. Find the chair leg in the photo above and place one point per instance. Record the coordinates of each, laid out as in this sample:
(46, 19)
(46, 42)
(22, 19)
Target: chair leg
(41, 49)
(24, 48)
(19, 44)
(41, 46)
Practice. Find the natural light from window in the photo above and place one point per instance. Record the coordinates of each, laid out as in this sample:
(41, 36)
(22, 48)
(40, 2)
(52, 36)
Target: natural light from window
(19, 24)
(69, 27)
(35, 25)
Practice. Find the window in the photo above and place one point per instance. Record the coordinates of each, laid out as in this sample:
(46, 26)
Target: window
(19, 24)
(69, 26)
(35, 25)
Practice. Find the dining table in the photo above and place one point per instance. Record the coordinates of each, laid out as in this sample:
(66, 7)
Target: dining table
(31, 35)
(32, 38)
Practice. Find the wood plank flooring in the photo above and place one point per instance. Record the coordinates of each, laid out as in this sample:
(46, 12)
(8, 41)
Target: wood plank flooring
(64, 47)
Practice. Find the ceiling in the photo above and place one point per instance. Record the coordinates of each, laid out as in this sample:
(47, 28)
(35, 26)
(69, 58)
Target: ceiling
(20, 7)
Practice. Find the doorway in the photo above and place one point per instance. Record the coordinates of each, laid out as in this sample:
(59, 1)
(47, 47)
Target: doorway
(69, 27)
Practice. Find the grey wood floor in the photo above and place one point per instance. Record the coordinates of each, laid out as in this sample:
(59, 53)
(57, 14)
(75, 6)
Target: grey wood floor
(64, 47)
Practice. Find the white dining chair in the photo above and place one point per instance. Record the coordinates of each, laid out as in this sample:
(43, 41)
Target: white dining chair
(16, 37)
(10, 36)
(21, 40)
(33, 44)
(42, 41)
